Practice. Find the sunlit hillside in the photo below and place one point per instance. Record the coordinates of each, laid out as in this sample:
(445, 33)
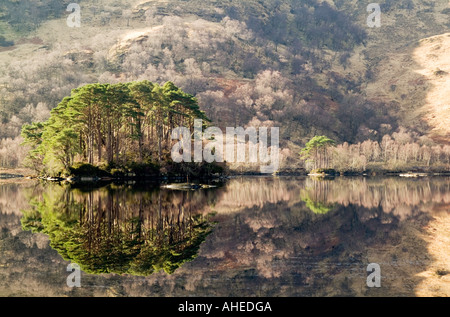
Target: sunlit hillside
(311, 67)
(433, 55)
(415, 81)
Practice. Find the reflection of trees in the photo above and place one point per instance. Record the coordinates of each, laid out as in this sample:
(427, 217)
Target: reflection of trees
(394, 195)
(248, 192)
(315, 196)
(122, 231)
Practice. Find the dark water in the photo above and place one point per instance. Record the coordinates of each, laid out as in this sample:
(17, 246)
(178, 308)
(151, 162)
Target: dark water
(254, 236)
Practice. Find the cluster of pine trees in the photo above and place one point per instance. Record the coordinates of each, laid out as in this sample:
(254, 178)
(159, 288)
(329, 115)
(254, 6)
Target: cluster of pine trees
(113, 124)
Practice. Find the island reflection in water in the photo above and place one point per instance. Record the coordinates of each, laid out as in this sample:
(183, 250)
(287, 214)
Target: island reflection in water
(254, 236)
(118, 229)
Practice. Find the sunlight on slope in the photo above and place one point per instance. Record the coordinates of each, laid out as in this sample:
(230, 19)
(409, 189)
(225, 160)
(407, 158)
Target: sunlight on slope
(414, 80)
(433, 55)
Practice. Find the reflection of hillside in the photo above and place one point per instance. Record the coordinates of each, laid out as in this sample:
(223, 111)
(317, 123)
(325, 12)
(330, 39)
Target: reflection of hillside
(324, 251)
(394, 195)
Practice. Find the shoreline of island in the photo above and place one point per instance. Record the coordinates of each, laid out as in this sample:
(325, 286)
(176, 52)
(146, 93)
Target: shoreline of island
(14, 174)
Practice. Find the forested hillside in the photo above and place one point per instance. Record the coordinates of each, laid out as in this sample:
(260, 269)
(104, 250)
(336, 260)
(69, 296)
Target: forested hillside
(310, 67)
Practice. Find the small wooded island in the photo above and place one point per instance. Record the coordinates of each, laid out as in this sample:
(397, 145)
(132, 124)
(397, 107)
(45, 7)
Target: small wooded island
(115, 130)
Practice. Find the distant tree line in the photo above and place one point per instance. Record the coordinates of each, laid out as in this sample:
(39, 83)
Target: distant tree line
(401, 151)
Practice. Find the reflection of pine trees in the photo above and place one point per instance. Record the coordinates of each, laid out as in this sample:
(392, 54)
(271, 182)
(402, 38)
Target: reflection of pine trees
(391, 194)
(120, 231)
(315, 196)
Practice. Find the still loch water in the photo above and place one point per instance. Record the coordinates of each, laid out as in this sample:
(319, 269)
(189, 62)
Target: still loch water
(249, 236)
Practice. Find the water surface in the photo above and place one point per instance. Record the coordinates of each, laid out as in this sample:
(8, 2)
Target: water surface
(251, 236)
